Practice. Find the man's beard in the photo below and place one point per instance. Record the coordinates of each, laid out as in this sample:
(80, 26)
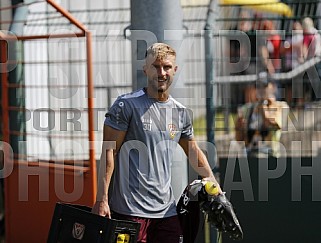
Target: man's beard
(165, 85)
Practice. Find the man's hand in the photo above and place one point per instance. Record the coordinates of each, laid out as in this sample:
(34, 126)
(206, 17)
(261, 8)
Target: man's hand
(101, 208)
(214, 181)
(216, 207)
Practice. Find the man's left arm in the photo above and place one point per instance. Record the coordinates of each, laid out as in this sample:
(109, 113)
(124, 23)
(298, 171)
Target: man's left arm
(198, 160)
(219, 210)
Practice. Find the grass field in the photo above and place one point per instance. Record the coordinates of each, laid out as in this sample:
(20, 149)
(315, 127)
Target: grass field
(220, 126)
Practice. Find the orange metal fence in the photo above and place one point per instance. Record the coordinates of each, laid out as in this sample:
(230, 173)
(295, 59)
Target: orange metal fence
(47, 121)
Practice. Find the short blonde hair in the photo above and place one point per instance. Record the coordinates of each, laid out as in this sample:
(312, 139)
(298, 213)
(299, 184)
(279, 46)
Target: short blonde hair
(160, 51)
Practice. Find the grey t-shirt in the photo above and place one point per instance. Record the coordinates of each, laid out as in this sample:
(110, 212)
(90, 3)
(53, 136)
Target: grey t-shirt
(142, 175)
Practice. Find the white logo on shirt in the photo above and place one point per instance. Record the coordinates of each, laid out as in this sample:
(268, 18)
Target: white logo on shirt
(147, 124)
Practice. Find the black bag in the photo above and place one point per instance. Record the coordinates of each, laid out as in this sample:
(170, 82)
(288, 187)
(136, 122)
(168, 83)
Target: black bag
(76, 223)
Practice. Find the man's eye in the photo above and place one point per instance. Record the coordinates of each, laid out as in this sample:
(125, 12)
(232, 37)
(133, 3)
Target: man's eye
(166, 68)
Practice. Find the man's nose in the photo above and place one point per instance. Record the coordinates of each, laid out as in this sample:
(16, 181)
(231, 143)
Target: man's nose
(161, 71)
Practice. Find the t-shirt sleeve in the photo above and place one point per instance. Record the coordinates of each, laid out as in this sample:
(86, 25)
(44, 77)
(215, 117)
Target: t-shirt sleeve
(188, 131)
(118, 116)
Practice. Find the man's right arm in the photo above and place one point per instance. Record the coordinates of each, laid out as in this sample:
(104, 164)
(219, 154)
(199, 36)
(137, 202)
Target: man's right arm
(112, 140)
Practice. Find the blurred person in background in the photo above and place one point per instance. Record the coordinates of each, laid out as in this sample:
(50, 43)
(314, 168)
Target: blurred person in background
(240, 56)
(292, 51)
(259, 124)
(293, 48)
(311, 39)
(271, 51)
(312, 48)
(250, 24)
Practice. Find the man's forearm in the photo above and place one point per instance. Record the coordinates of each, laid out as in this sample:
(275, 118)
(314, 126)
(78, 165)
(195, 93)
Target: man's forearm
(105, 173)
(199, 161)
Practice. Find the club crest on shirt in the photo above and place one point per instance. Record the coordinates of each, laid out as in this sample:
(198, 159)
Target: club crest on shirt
(172, 130)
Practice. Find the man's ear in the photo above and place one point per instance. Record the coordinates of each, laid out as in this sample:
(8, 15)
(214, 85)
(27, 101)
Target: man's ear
(176, 67)
(144, 69)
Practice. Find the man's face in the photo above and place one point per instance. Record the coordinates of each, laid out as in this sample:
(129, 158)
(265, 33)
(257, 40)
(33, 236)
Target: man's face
(160, 73)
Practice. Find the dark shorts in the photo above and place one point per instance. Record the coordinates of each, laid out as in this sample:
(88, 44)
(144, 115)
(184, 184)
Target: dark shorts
(158, 230)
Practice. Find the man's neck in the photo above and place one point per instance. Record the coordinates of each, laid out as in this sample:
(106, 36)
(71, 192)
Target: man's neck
(160, 96)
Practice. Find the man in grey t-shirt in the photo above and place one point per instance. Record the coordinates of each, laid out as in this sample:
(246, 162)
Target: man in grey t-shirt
(141, 132)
